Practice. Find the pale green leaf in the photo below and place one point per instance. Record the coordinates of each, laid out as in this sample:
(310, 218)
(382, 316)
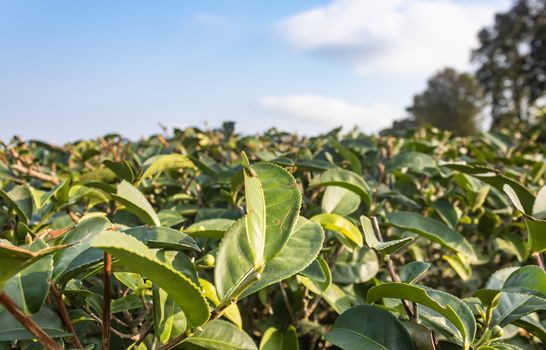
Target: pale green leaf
(136, 203)
(371, 240)
(350, 233)
(221, 335)
(274, 339)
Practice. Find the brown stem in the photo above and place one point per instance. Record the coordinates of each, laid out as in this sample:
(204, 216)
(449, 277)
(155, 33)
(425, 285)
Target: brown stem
(177, 340)
(331, 262)
(143, 334)
(540, 261)
(287, 302)
(215, 314)
(64, 315)
(28, 323)
(36, 174)
(107, 280)
(390, 266)
(112, 329)
(73, 216)
(312, 307)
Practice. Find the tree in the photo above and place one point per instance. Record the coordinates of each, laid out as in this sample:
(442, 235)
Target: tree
(452, 101)
(511, 61)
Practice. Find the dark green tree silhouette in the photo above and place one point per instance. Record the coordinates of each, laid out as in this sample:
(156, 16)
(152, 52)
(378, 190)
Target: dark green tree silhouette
(452, 101)
(511, 61)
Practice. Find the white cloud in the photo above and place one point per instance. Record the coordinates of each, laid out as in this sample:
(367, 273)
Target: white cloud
(331, 112)
(392, 36)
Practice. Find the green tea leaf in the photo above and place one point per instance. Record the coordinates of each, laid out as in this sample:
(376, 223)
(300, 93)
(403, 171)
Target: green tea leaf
(232, 312)
(234, 265)
(282, 201)
(20, 199)
(446, 304)
(14, 259)
(415, 161)
(350, 233)
(340, 201)
(527, 279)
(136, 203)
(412, 271)
(274, 339)
(163, 238)
(347, 155)
(140, 259)
(255, 218)
(369, 327)
(163, 162)
(211, 228)
(47, 318)
(358, 266)
(80, 256)
(122, 169)
(318, 286)
(371, 240)
(30, 287)
(346, 179)
(221, 335)
(433, 230)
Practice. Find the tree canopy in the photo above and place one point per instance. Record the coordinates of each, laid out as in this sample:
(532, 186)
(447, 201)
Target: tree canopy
(452, 101)
(511, 60)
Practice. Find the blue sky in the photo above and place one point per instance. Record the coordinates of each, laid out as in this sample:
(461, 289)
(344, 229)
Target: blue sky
(79, 69)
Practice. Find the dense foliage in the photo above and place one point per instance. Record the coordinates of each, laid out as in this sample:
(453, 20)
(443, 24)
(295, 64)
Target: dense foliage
(209, 239)
(511, 60)
(451, 101)
(510, 76)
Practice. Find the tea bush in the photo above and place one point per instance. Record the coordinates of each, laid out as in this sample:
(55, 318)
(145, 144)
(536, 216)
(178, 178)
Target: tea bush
(210, 239)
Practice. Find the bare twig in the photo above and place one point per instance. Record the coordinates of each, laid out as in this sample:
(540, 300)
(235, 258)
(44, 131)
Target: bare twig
(73, 216)
(144, 333)
(112, 329)
(286, 301)
(36, 174)
(177, 340)
(540, 261)
(107, 280)
(28, 323)
(50, 234)
(64, 315)
(312, 306)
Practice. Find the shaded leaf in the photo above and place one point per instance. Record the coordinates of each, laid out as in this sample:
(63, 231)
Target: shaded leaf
(274, 339)
(369, 327)
(446, 304)
(30, 287)
(47, 319)
(433, 230)
(163, 238)
(122, 169)
(412, 271)
(358, 266)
